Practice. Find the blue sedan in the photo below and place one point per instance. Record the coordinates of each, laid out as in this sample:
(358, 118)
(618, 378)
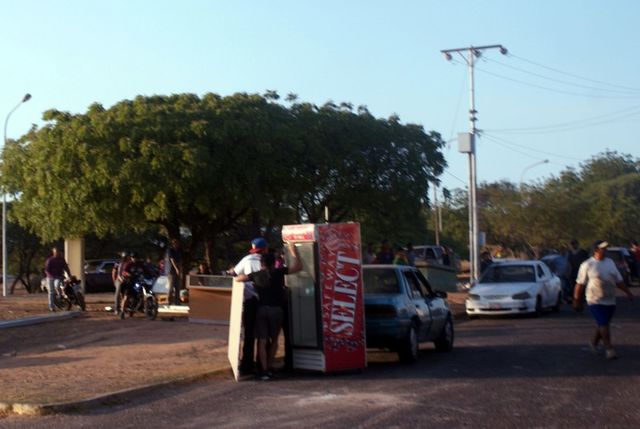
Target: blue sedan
(402, 310)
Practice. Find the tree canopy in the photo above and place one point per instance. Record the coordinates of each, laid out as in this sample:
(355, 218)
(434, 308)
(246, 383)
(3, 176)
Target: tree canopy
(211, 165)
(598, 201)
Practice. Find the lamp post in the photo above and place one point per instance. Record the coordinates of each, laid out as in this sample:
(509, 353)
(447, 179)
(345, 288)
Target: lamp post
(26, 98)
(544, 161)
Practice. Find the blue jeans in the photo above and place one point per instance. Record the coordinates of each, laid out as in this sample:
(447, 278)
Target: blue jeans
(53, 286)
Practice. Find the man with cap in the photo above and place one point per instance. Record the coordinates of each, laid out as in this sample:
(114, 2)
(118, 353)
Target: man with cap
(247, 265)
(601, 277)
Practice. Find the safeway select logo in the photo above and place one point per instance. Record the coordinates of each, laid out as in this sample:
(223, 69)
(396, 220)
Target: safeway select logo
(345, 294)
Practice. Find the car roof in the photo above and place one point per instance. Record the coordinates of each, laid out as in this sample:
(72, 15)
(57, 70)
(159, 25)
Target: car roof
(551, 256)
(389, 266)
(515, 262)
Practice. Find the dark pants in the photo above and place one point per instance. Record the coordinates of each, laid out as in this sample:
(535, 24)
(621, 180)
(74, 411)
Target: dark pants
(174, 289)
(249, 309)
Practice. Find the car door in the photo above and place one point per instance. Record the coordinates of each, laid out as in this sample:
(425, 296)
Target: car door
(544, 277)
(414, 291)
(555, 285)
(438, 307)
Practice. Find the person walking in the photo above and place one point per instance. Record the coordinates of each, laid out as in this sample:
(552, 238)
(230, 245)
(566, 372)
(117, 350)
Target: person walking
(54, 268)
(600, 276)
(174, 256)
(576, 257)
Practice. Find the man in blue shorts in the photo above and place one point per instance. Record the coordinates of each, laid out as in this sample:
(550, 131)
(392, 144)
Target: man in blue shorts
(601, 277)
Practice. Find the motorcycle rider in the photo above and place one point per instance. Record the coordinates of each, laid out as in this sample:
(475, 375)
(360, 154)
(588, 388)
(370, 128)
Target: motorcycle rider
(55, 267)
(132, 268)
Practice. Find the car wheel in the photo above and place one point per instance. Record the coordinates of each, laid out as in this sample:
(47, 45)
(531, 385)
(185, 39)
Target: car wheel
(444, 343)
(538, 310)
(409, 348)
(67, 304)
(556, 308)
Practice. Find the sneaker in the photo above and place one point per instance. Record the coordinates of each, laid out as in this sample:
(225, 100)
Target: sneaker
(265, 376)
(595, 348)
(611, 354)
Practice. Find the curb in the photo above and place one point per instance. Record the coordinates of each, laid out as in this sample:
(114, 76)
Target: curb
(34, 320)
(26, 409)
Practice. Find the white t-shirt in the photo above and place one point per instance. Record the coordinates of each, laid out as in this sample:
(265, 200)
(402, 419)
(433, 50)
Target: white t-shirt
(601, 279)
(247, 265)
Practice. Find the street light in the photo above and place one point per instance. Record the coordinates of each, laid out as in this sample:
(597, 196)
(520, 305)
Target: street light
(26, 98)
(544, 161)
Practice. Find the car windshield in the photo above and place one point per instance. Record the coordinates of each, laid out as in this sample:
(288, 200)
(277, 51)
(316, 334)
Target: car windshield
(509, 274)
(381, 281)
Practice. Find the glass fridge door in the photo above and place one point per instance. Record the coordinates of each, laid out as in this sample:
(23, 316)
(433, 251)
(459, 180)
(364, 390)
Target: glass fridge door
(302, 288)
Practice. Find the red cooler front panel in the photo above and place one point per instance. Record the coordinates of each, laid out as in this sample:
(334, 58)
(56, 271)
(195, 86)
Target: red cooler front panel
(340, 270)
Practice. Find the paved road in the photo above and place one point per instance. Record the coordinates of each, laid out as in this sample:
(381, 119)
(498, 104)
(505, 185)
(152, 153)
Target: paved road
(507, 372)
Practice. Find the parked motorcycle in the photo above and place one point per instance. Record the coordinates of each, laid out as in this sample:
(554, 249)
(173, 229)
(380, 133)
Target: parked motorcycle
(138, 296)
(70, 294)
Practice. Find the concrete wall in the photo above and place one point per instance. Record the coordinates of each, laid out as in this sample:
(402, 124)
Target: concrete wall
(74, 254)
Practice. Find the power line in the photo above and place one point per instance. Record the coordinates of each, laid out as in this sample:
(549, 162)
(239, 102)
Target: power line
(617, 91)
(455, 116)
(568, 126)
(455, 177)
(573, 75)
(498, 142)
(559, 91)
(508, 142)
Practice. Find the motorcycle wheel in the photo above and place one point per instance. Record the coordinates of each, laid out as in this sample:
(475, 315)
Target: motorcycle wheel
(59, 302)
(151, 307)
(80, 300)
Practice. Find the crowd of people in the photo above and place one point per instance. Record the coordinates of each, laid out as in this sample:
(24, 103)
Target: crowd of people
(401, 255)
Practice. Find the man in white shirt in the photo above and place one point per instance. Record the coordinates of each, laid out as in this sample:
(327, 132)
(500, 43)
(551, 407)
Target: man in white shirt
(601, 277)
(247, 265)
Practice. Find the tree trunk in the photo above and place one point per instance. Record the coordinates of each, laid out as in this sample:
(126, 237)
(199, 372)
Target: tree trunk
(210, 253)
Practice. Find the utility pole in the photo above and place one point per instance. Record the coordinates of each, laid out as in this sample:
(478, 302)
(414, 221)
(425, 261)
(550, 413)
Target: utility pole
(436, 214)
(467, 144)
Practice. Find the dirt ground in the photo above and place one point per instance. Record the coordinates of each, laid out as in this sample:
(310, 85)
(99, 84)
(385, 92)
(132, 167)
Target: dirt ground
(97, 353)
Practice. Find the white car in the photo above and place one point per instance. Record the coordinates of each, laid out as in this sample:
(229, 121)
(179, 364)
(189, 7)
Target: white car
(514, 287)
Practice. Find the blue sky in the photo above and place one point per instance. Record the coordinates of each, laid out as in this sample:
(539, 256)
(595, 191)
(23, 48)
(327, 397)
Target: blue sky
(569, 86)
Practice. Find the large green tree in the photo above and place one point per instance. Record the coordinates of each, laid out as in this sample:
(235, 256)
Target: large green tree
(206, 167)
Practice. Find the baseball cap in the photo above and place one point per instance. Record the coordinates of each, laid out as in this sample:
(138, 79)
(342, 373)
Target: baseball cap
(259, 243)
(600, 244)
